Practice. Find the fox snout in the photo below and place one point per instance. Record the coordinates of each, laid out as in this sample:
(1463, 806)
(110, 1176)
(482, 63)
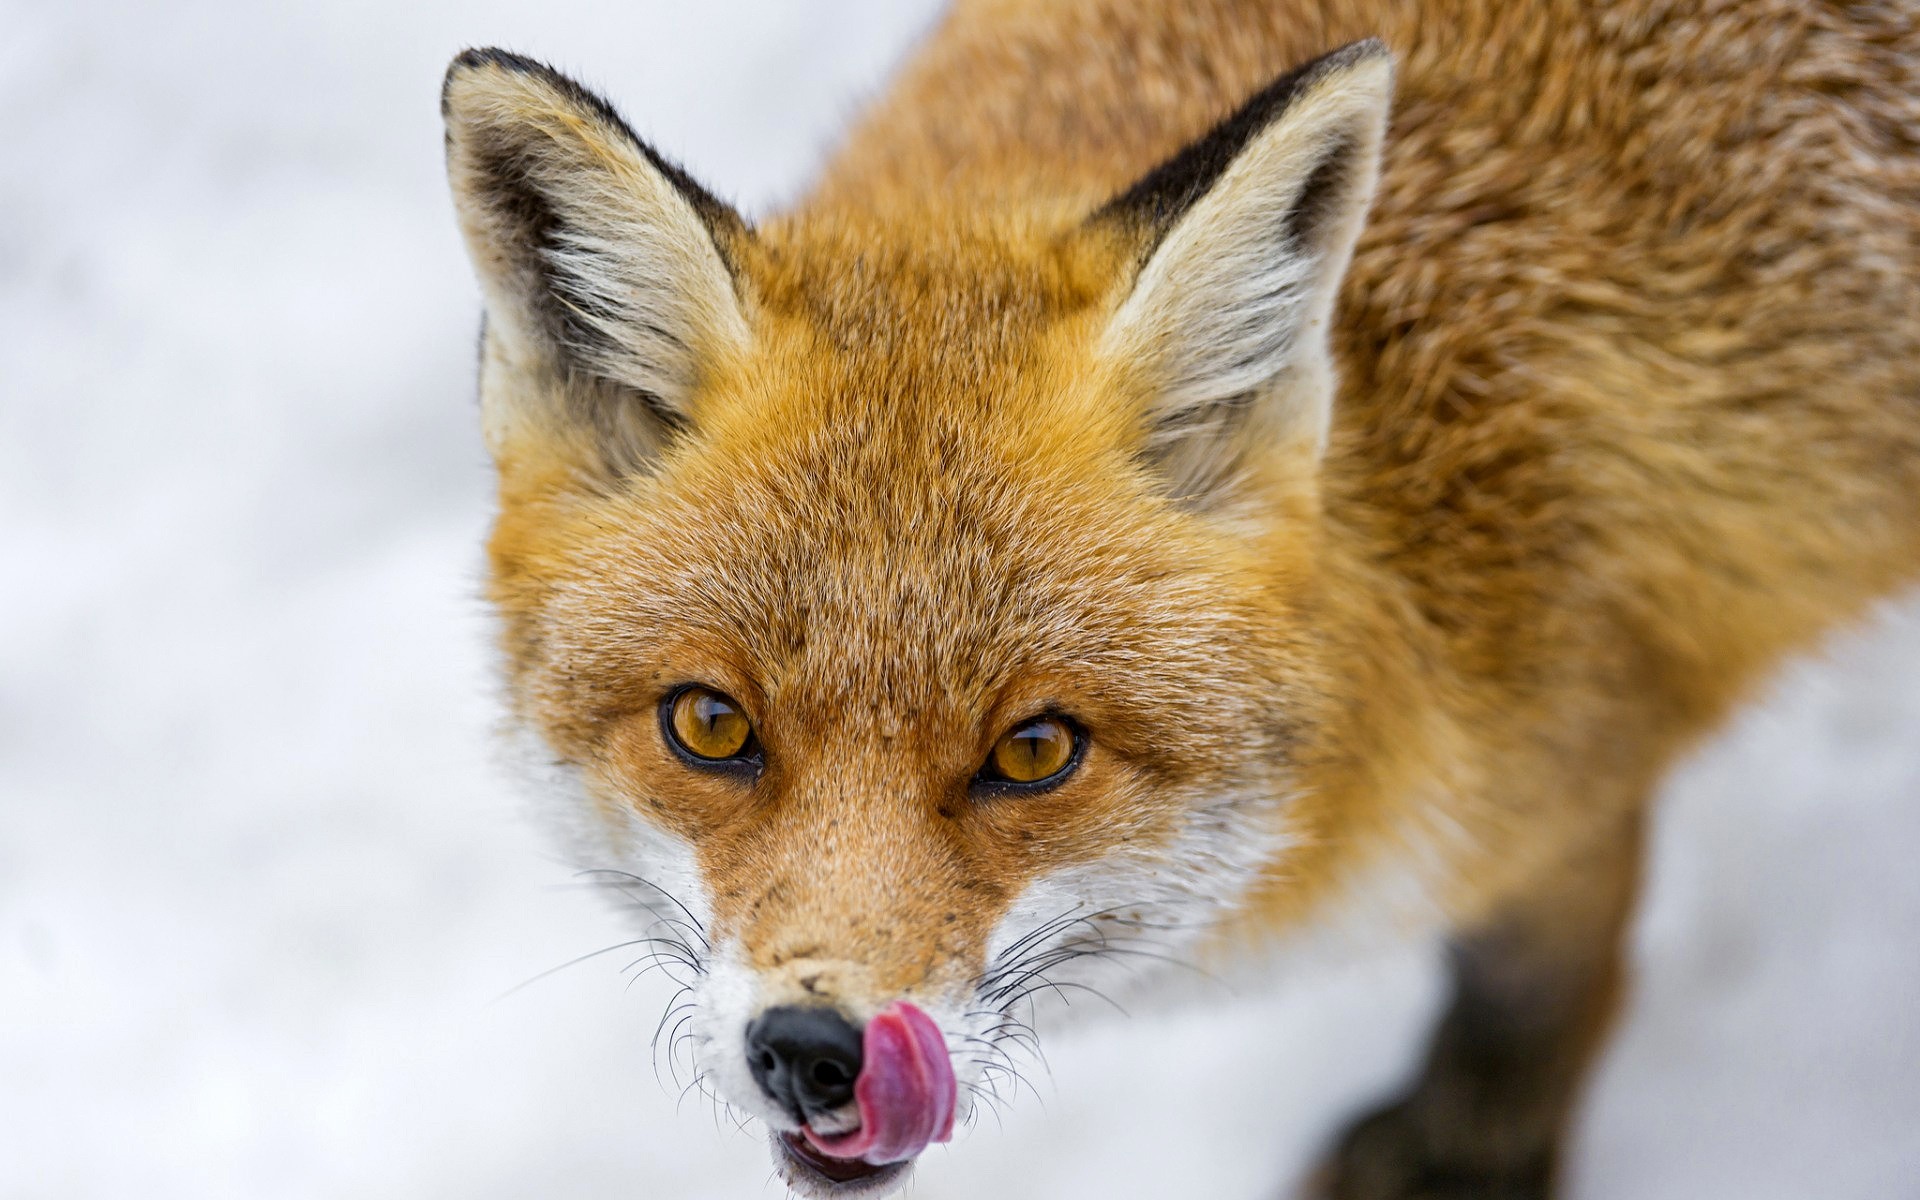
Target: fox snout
(877, 1096)
(806, 1060)
(864, 1100)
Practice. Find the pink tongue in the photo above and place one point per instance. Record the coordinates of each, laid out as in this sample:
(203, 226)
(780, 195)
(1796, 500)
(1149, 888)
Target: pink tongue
(905, 1091)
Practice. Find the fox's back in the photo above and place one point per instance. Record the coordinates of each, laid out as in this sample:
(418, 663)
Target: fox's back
(1629, 344)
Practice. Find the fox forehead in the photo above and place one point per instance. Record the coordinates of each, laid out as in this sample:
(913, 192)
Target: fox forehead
(945, 297)
(911, 487)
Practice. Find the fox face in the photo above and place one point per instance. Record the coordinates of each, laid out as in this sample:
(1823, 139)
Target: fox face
(913, 609)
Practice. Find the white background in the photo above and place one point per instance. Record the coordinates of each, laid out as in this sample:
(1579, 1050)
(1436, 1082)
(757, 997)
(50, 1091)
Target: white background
(260, 883)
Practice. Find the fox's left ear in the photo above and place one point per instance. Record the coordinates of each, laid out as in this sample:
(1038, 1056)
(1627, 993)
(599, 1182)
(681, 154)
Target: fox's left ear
(608, 272)
(1241, 241)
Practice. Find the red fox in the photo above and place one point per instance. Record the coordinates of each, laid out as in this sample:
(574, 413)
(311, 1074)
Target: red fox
(1187, 463)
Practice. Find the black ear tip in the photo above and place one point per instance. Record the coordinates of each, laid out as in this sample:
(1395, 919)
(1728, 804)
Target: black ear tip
(1160, 197)
(1353, 54)
(476, 57)
(484, 67)
(493, 58)
(1372, 47)
(482, 58)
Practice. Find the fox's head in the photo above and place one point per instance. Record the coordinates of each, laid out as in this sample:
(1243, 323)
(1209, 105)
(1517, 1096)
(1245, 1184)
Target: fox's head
(919, 607)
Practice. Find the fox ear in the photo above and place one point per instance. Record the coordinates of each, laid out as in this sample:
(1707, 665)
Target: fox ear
(605, 268)
(1242, 240)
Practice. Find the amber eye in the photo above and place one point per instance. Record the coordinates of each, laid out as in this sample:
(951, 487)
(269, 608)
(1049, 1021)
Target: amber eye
(707, 725)
(1035, 751)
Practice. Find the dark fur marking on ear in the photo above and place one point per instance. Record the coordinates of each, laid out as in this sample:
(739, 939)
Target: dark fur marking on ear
(1165, 193)
(571, 317)
(536, 235)
(720, 216)
(1320, 195)
(562, 309)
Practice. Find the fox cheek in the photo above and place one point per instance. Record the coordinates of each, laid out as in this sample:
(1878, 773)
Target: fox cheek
(1133, 915)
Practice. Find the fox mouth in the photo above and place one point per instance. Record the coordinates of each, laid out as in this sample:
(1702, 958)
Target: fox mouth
(902, 1100)
(812, 1172)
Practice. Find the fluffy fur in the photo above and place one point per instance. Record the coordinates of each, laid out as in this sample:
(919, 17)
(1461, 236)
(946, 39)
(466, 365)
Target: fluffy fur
(1416, 537)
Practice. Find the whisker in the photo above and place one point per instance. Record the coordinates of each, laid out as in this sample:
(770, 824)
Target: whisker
(1060, 987)
(663, 952)
(659, 1029)
(1018, 1080)
(699, 929)
(651, 964)
(572, 962)
(686, 1091)
(1041, 931)
(673, 1040)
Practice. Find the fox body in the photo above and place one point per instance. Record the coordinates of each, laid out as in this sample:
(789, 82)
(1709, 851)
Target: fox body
(1357, 442)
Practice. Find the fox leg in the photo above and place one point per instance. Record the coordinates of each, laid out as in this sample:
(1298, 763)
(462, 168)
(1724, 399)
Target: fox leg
(1536, 987)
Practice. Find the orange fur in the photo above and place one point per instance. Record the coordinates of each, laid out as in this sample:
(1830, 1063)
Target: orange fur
(1630, 397)
(1628, 408)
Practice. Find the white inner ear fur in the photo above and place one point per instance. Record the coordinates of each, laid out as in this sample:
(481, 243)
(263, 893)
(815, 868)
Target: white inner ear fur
(638, 266)
(628, 257)
(1228, 320)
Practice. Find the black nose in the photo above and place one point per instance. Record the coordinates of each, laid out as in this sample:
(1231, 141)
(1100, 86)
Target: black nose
(806, 1059)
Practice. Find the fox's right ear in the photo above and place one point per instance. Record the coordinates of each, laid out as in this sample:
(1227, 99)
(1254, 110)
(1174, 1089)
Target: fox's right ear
(606, 270)
(1242, 241)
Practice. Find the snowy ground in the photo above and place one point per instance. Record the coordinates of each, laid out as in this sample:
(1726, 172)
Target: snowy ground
(260, 885)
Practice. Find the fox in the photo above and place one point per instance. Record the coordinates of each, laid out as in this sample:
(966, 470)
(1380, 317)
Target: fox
(1186, 470)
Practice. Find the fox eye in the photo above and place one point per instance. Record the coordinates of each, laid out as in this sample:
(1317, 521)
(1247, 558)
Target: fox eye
(1033, 753)
(707, 725)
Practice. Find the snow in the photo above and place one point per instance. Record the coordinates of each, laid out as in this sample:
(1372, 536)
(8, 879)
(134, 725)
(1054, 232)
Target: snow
(262, 885)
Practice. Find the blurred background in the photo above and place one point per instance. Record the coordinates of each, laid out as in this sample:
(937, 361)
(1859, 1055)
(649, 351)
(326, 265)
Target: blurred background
(261, 885)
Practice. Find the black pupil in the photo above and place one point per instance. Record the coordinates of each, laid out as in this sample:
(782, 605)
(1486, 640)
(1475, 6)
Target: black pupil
(1032, 746)
(710, 710)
